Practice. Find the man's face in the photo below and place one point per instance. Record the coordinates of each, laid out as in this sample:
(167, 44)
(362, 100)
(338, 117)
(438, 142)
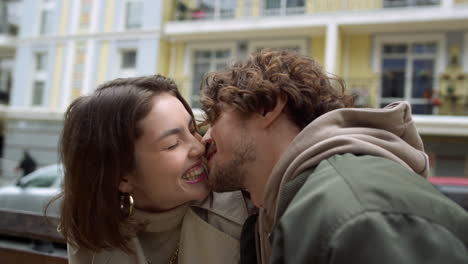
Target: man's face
(230, 152)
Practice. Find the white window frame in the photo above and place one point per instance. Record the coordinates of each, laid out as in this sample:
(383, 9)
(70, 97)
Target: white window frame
(45, 5)
(440, 60)
(256, 44)
(190, 59)
(123, 15)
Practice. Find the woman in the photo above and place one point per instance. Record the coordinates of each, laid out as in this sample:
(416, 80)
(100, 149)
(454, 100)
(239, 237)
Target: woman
(133, 165)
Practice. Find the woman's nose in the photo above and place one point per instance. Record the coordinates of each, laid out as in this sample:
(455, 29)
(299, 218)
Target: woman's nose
(198, 148)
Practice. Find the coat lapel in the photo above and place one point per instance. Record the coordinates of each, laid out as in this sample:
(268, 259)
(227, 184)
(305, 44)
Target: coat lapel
(202, 243)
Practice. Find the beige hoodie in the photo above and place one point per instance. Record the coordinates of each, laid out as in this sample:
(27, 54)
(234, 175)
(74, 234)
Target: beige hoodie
(388, 132)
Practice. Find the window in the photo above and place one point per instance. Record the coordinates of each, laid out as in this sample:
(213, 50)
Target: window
(39, 78)
(40, 61)
(133, 14)
(205, 61)
(6, 66)
(38, 93)
(283, 7)
(46, 23)
(408, 73)
(128, 63)
(46, 17)
(128, 59)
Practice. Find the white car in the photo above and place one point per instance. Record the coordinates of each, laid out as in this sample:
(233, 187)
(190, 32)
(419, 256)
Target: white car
(34, 191)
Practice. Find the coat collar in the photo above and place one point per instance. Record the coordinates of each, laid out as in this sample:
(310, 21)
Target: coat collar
(226, 205)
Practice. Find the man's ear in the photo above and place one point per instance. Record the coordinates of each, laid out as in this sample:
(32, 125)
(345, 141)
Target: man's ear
(269, 118)
(125, 186)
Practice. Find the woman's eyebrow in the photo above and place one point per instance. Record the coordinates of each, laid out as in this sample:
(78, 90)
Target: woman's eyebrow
(170, 132)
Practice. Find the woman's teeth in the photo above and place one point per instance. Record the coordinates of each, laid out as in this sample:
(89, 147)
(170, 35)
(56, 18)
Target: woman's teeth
(194, 174)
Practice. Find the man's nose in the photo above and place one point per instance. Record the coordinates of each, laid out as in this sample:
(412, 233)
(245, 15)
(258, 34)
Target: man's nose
(206, 139)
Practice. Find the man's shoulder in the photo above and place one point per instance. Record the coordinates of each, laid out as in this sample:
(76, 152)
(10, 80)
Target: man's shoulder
(346, 188)
(344, 185)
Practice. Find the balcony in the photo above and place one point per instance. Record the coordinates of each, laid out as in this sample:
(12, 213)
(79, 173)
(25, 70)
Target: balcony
(224, 9)
(204, 10)
(442, 111)
(248, 18)
(448, 98)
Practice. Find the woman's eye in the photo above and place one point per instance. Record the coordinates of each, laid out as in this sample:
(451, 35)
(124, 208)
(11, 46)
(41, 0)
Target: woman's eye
(172, 146)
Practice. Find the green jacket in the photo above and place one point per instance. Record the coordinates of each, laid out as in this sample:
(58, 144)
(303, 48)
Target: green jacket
(367, 209)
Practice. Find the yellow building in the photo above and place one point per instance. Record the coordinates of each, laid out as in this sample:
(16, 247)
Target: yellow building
(386, 50)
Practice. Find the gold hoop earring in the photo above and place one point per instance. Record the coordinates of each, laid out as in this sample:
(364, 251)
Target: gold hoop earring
(126, 204)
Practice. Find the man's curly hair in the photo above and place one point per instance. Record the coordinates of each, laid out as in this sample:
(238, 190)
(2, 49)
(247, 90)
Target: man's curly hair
(253, 85)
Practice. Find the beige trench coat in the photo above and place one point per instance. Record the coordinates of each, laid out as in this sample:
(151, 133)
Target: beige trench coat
(210, 234)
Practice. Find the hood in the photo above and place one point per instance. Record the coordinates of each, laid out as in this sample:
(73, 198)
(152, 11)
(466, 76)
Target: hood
(389, 132)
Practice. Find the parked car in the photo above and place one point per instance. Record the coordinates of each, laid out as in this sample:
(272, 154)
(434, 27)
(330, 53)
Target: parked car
(33, 191)
(455, 188)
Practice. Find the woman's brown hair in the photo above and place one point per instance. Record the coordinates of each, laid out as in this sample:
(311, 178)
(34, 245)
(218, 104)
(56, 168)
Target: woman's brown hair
(253, 85)
(97, 151)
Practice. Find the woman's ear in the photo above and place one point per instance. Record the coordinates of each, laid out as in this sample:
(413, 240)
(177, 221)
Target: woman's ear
(125, 186)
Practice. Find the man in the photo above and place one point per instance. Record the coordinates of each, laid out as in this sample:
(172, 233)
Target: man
(333, 184)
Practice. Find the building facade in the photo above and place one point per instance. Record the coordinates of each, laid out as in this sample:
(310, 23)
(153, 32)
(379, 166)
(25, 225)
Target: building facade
(386, 50)
(64, 49)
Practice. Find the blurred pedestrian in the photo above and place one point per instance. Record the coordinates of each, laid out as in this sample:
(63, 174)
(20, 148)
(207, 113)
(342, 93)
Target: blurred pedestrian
(27, 164)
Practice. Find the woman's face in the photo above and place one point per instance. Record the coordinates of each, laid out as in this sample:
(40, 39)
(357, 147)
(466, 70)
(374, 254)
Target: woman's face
(170, 169)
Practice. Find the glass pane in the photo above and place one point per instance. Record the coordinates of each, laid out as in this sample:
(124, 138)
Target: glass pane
(269, 4)
(421, 109)
(450, 165)
(46, 22)
(394, 49)
(427, 2)
(202, 55)
(134, 13)
(423, 75)
(199, 69)
(393, 78)
(294, 3)
(395, 3)
(128, 59)
(227, 8)
(221, 54)
(424, 48)
(38, 91)
(40, 61)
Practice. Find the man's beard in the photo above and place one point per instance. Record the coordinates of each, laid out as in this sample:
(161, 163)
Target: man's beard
(229, 176)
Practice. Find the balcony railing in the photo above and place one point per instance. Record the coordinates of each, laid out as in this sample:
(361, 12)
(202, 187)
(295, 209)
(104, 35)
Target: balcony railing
(448, 97)
(206, 10)
(224, 9)
(408, 3)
